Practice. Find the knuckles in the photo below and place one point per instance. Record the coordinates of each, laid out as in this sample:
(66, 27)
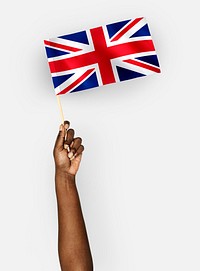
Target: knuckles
(78, 139)
(81, 148)
(70, 132)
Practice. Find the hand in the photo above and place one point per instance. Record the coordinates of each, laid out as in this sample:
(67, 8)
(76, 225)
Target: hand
(67, 150)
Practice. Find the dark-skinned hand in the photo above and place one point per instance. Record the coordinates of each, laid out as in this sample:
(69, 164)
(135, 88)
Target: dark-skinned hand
(67, 150)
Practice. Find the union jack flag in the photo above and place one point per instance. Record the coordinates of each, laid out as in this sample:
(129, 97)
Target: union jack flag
(102, 55)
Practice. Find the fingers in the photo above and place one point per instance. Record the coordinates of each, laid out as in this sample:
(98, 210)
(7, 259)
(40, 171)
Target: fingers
(75, 144)
(66, 124)
(67, 141)
(80, 150)
(60, 138)
(68, 138)
(76, 152)
(61, 135)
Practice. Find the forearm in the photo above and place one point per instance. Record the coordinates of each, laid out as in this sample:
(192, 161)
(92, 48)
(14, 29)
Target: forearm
(73, 245)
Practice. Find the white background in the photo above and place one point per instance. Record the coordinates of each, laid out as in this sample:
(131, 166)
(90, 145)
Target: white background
(139, 181)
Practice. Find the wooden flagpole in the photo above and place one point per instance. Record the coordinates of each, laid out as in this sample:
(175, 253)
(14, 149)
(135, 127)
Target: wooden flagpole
(60, 108)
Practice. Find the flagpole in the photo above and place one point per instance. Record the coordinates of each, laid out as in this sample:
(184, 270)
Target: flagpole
(60, 108)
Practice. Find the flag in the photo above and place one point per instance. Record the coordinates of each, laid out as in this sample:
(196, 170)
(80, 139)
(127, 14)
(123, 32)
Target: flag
(103, 55)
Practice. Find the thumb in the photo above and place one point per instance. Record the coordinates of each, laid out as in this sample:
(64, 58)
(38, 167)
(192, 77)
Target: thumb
(59, 144)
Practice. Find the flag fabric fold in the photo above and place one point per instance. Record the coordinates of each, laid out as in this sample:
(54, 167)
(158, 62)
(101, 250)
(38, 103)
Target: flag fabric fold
(103, 55)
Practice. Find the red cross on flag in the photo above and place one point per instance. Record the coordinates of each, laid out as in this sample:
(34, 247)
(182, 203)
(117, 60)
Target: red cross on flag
(103, 55)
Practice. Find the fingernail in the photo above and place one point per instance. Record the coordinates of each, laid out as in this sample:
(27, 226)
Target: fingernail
(66, 146)
(70, 154)
(73, 156)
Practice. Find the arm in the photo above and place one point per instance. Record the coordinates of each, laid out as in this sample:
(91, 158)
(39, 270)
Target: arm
(73, 246)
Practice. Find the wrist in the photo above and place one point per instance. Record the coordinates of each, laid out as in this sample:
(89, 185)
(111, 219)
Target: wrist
(64, 176)
(65, 185)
